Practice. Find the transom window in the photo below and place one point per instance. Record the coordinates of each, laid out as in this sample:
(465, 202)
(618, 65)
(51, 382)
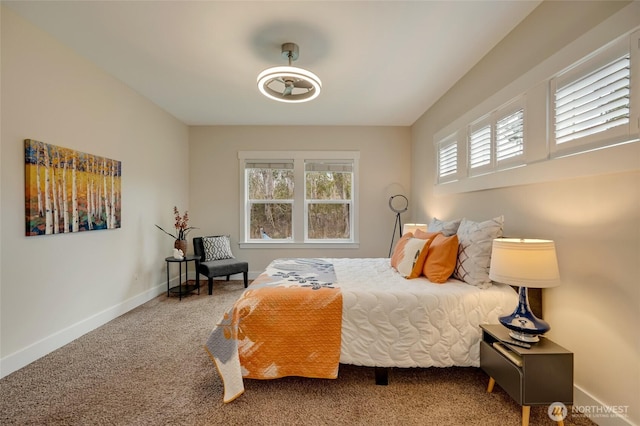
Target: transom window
(592, 100)
(581, 107)
(448, 159)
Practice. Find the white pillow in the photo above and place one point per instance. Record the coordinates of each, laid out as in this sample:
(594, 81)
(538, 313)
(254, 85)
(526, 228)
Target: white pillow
(448, 228)
(217, 248)
(474, 250)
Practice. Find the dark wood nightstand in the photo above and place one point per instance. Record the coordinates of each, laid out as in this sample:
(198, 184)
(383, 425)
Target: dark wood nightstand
(540, 375)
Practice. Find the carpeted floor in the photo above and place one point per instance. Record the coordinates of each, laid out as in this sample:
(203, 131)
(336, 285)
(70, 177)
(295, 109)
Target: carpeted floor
(148, 367)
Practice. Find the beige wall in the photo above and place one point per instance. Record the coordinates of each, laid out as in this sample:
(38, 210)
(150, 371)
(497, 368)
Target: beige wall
(594, 219)
(214, 188)
(56, 288)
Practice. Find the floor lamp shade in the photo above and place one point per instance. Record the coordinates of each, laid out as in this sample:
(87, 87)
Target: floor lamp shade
(524, 263)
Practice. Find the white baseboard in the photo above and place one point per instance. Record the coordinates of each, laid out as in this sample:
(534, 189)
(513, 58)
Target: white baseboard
(23, 357)
(599, 413)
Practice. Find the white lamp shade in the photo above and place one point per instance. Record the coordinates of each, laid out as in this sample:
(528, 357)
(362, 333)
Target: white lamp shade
(524, 262)
(412, 227)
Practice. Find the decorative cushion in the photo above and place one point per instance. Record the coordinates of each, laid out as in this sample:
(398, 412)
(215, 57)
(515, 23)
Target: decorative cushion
(398, 250)
(216, 248)
(448, 228)
(474, 250)
(441, 258)
(413, 257)
(424, 235)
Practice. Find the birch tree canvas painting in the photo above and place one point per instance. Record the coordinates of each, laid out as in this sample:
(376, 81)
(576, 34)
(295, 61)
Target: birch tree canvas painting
(69, 191)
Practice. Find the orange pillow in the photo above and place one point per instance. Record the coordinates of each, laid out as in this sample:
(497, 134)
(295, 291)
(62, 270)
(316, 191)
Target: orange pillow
(424, 235)
(399, 249)
(441, 258)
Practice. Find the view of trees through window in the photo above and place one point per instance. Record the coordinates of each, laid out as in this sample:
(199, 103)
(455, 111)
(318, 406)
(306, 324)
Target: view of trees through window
(271, 200)
(328, 198)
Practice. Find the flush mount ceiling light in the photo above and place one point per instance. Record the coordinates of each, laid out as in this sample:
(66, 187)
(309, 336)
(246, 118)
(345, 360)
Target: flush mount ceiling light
(287, 83)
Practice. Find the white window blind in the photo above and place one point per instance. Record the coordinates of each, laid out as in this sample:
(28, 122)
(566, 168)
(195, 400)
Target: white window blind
(447, 159)
(594, 103)
(510, 136)
(270, 164)
(480, 147)
(328, 166)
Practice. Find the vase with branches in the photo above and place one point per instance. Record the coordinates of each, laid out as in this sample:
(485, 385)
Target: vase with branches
(182, 229)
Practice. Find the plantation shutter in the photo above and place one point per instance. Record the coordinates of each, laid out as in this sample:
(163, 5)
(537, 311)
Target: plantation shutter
(447, 160)
(594, 103)
(480, 146)
(510, 136)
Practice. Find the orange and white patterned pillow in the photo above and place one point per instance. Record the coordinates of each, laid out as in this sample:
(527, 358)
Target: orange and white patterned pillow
(412, 256)
(398, 250)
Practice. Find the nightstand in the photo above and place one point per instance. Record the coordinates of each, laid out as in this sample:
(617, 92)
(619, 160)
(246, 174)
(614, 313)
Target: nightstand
(540, 375)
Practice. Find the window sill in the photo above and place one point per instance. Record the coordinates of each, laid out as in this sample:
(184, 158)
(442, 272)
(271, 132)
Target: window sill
(297, 245)
(612, 159)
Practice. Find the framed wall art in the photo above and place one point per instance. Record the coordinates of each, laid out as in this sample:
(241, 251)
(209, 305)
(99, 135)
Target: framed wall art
(69, 191)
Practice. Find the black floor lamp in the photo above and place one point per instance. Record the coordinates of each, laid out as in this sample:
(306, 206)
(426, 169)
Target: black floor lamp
(398, 204)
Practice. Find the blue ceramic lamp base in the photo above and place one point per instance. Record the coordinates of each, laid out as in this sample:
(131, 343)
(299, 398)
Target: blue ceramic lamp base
(522, 323)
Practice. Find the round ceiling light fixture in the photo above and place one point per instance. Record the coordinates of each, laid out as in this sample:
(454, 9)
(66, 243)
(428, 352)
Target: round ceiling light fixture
(287, 83)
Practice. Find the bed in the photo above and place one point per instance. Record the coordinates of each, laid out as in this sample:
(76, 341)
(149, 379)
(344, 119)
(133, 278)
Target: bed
(420, 308)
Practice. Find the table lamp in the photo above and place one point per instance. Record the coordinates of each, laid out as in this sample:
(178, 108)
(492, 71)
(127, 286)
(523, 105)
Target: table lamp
(412, 227)
(524, 263)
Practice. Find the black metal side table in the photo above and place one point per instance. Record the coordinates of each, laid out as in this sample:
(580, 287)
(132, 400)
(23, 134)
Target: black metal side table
(186, 288)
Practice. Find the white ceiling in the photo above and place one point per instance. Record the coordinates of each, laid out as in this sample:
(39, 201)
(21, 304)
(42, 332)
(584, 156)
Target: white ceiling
(381, 63)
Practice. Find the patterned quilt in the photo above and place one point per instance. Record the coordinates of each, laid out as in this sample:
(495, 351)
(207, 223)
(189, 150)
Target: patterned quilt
(287, 323)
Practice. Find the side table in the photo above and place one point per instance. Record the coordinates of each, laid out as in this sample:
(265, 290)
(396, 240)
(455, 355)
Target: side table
(186, 288)
(540, 375)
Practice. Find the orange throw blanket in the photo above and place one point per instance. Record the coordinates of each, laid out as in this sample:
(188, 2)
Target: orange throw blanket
(284, 324)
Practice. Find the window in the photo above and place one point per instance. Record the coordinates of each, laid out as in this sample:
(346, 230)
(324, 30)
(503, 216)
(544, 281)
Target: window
(480, 146)
(270, 190)
(299, 198)
(328, 200)
(567, 105)
(510, 136)
(591, 101)
(447, 159)
(497, 140)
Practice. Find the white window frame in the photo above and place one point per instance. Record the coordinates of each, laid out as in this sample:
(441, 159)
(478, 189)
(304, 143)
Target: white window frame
(273, 164)
(299, 212)
(577, 71)
(490, 122)
(479, 129)
(541, 161)
(508, 111)
(308, 201)
(444, 149)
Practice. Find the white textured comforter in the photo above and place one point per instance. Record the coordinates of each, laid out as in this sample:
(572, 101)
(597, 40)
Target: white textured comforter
(389, 321)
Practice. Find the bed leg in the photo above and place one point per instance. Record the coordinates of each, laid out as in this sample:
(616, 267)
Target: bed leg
(382, 376)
